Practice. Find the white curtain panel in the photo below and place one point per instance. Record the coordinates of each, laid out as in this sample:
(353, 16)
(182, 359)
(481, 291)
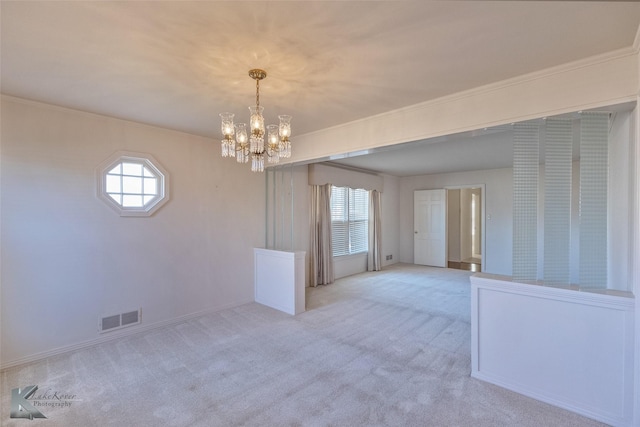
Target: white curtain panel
(321, 258)
(375, 232)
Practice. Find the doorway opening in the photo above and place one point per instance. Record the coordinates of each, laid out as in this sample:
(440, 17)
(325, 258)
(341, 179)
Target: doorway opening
(465, 228)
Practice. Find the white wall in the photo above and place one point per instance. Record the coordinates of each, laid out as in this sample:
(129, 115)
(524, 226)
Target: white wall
(453, 225)
(287, 207)
(69, 260)
(287, 210)
(465, 223)
(301, 195)
(348, 265)
(498, 221)
(390, 207)
(619, 205)
(634, 223)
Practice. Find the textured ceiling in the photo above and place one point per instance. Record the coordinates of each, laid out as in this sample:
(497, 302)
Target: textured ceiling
(179, 64)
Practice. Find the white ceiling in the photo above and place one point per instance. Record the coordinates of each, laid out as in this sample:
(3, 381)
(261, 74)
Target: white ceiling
(178, 64)
(483, 149)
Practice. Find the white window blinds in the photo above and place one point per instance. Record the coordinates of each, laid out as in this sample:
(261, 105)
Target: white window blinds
(349, 220)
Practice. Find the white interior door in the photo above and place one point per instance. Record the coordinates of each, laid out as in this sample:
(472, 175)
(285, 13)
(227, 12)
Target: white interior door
(430, 227)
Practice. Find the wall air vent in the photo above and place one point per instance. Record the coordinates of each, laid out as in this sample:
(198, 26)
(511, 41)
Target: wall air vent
(110, 322)
(130, 318)
(119, 321)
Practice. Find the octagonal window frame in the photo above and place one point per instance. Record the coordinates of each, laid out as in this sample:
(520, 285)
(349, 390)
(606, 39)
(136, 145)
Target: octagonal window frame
(108, 174)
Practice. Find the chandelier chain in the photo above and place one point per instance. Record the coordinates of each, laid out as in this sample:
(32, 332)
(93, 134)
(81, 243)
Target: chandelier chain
(257, 92)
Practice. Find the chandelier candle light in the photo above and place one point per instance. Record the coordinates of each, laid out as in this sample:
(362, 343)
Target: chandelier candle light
(278, 144)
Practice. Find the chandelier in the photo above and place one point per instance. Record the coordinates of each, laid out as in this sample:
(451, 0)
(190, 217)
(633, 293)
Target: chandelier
(242, 146)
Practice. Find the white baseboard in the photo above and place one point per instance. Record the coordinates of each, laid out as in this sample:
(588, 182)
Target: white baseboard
(559, 401)
(134, 330)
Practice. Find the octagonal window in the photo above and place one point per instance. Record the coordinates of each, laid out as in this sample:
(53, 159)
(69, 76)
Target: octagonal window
(133, 184)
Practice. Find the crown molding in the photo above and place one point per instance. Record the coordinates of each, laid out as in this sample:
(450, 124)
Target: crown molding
(500, 85)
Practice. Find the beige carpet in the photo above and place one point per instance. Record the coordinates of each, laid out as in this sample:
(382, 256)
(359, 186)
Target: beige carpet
(389, 348)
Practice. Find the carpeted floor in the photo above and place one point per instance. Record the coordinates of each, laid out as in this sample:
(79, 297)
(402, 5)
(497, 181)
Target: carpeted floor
(388, 348)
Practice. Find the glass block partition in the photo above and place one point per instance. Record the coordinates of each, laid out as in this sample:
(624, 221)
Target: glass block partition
(557, 201)
(594, 171)
(525, 200)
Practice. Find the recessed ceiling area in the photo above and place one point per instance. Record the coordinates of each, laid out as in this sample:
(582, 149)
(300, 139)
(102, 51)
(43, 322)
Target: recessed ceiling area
(453, 153)
(483, 149)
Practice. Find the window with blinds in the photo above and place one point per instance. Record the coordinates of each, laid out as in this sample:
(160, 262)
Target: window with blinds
(349, 220)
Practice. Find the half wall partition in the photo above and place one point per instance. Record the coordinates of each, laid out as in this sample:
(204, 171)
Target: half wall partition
(279, 267)
(561, 329)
